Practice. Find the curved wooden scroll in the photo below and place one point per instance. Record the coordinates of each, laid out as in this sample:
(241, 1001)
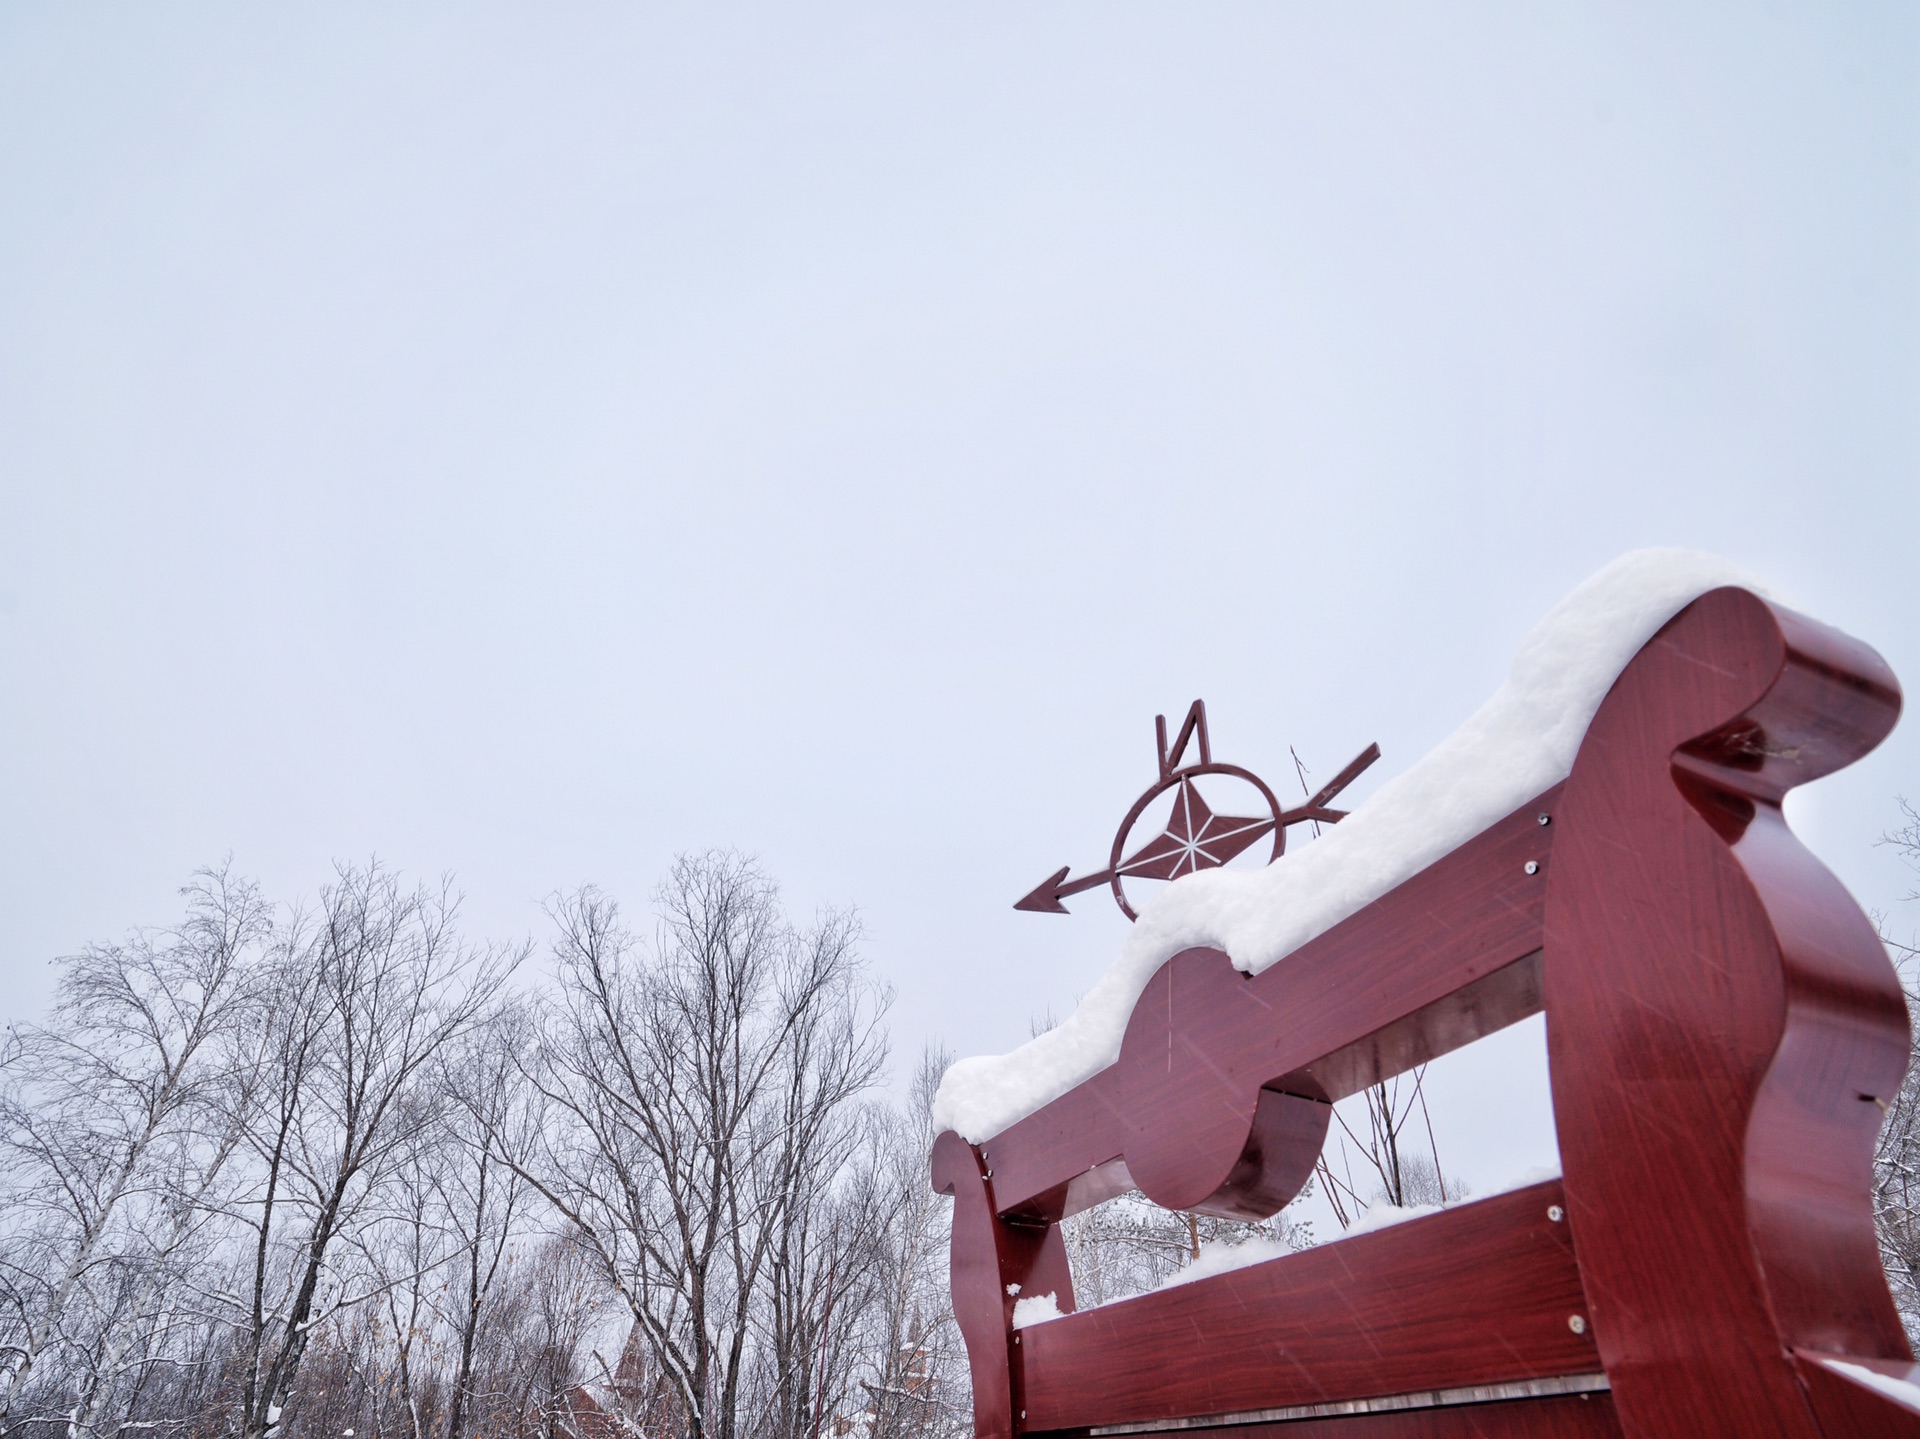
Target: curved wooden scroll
(1721, 1019)
(1721, 1022)
(993, 1262)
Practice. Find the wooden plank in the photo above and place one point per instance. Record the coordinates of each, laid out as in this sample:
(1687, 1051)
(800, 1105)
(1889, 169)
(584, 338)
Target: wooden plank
(1481, 1294)
(1407, 978)
(1573, 1416)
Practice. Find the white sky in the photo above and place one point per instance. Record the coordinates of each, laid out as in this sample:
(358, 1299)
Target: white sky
(529, 442)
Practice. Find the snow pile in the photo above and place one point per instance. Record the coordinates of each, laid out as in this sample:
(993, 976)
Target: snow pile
(1899, 1390)
(1539, 1174)
(1384, 1216)
(1219, 1258)
(1035, 1309)
(1518, 743)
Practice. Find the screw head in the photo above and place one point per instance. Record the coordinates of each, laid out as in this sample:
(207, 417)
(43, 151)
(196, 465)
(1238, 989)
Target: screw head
(1546, 819)
(1533, 866)
(1577, 1323)
(1556, 1213)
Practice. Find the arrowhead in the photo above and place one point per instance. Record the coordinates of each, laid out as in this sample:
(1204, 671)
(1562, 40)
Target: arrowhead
(1045, 898)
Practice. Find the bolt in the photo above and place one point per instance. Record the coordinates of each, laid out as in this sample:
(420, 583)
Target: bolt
(1546, 819)
(1533, 866)
(1577, 1324)
(1556, 1213)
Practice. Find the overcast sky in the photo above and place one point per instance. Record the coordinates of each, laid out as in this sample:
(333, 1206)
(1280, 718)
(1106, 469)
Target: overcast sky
(529, 442)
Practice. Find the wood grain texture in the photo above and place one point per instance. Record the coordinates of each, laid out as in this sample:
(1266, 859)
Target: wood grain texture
(992, 1261)
(1719, 1017)
(1847, 1405)
(1415, 974)
(1579, 1416)
(1481, 1294)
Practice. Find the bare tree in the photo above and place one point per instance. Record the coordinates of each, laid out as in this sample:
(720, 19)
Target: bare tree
(695, 1094)
(916, 1381)
(303, 1177)
(540, 1340)
(369, 991)
(483, 1197)
(1896, 1168)
(114, 1139)
(1399, 1162)
(406, 1255)
(823, 1275)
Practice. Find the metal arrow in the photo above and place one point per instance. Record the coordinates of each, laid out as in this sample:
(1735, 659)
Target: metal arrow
(1045, 897)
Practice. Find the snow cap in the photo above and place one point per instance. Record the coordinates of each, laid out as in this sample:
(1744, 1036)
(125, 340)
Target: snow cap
(1520, 742)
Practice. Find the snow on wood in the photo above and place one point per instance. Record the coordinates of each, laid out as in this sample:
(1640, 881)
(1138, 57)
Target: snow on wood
(1219, 1258)
(1899, 1390)
(1520, 742)
(1035, 1309)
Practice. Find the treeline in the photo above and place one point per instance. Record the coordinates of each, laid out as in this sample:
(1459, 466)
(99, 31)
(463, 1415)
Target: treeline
(341, 1170)
(284, 1172)
(275, 1173)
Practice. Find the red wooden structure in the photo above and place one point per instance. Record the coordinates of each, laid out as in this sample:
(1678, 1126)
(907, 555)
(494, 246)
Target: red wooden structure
(1723, 1028)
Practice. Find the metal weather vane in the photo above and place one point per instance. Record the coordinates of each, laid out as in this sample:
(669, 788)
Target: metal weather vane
(1195, 838)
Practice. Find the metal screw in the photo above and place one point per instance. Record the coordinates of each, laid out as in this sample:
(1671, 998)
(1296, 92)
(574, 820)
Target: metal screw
(1016, 1339)
(1556, 1213)
(1023, 1413)
(1533, 866)
(1546, 819)
(1575, 1322)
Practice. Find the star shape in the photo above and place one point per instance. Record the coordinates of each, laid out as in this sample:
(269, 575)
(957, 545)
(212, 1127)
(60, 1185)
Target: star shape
(1195, 838)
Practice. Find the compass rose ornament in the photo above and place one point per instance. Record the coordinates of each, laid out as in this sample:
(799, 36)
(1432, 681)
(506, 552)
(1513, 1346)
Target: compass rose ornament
(1195, 837)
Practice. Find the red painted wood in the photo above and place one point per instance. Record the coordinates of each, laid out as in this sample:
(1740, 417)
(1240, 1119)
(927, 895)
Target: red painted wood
(1381, 1313)
(1573, 1416)
(1846, 1405)
(1383, 990)
(991, 1261)
(1720, 1016)
(1721, 1019)
(1189, 1084)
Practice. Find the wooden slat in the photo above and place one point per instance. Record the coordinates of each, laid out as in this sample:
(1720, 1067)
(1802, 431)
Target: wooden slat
(1575, 1416)
(1381, 1313)
(1407, 978)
